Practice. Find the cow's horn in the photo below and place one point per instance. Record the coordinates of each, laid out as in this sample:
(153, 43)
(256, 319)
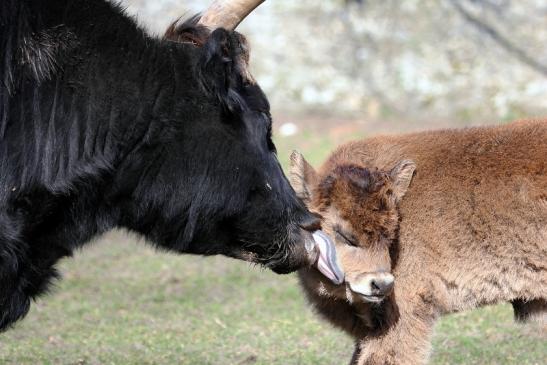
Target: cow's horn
(227, 14)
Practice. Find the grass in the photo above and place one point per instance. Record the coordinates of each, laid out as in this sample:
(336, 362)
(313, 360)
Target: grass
(123, 303)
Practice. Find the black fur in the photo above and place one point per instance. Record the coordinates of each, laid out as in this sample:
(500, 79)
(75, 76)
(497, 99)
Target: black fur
(102, 126)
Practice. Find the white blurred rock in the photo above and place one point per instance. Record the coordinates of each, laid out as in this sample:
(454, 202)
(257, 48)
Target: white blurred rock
(288, 129)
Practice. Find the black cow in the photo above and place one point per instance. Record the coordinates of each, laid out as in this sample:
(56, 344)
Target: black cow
(104, 126)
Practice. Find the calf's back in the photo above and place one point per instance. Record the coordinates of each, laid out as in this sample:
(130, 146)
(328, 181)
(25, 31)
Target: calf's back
(473, 226)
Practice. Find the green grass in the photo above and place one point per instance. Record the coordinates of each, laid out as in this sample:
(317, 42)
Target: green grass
(123, 303)
(489, 336)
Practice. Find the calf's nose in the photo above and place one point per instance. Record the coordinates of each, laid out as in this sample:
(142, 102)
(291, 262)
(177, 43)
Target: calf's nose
(382, 285)
(373, 286)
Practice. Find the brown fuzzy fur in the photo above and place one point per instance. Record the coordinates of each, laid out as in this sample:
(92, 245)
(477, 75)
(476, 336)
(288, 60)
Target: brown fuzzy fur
(472, 232)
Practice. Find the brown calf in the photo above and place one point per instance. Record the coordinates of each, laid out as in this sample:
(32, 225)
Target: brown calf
(472, 231)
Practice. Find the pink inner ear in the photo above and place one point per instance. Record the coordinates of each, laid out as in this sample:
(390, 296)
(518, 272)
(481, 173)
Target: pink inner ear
(402, 175)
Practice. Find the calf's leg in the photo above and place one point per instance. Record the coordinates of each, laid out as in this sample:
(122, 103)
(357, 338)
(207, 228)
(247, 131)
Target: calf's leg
(405, 341)
(356, 354)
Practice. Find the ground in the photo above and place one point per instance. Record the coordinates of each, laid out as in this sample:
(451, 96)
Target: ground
(121, 302)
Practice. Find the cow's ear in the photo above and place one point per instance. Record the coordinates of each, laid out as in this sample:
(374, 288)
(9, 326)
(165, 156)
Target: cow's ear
(401, 175)
(302, 176)
(222, 67)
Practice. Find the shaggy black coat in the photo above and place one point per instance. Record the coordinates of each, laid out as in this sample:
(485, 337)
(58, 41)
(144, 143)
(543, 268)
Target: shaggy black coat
(103, 126)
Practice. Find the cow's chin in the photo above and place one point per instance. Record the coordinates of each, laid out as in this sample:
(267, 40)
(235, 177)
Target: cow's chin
(297, 255)
(245, 256)
(283, 268)
(277, 266)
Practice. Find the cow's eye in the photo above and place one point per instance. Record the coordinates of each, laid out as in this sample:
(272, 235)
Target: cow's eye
(346, 238)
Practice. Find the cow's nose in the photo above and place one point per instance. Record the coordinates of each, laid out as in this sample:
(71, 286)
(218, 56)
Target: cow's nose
(382, 285)
(310, 222)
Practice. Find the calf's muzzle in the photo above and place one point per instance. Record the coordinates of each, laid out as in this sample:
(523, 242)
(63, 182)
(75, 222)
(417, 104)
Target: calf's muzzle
(373, 287)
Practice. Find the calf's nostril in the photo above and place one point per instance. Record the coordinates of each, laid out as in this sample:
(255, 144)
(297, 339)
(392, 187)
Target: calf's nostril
(381, 286)
(375, 287)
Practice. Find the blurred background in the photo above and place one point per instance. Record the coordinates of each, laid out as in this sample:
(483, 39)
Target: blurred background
(334, 70)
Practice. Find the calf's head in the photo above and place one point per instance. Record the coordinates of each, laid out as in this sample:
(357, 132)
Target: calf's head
(359, 211)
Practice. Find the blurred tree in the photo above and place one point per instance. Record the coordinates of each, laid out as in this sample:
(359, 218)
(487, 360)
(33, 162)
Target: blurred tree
(455, 58)
(424, 56)
(491, 32)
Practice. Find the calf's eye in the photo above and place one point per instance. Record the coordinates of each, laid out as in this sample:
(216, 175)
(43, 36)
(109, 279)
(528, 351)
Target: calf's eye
(346, 238)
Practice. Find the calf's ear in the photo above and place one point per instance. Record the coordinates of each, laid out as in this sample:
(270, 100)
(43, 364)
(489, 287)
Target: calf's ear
(401, 175)
(302, 177)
